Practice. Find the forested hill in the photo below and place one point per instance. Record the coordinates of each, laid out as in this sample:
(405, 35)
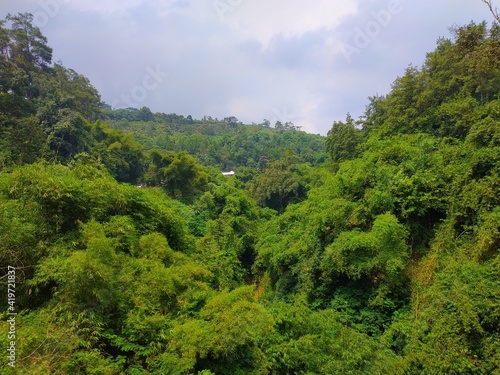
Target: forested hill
(381, 257)
(227, 144)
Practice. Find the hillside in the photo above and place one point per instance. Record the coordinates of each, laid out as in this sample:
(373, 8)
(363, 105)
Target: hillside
(374, 250)
(226, 144)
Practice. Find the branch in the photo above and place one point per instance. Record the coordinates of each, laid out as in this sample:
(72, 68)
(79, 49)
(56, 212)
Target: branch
(493, 10)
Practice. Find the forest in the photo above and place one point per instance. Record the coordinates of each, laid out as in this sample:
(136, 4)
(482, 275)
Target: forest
(373, 250)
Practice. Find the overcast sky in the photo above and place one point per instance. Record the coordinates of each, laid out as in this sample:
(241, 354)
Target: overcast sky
(305, 61)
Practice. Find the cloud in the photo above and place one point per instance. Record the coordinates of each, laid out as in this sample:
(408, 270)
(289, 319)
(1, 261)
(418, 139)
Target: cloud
(250, 59)
(117, 8)
(264, 21)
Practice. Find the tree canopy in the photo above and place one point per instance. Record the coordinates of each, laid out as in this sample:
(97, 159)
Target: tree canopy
(373, 250)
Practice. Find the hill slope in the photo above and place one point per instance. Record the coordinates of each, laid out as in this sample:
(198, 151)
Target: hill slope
(382, 260)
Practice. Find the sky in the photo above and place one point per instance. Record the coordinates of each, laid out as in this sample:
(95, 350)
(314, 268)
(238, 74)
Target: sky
(309, 62)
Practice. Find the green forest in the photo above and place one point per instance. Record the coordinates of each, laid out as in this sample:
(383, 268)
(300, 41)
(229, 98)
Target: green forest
(372, 250)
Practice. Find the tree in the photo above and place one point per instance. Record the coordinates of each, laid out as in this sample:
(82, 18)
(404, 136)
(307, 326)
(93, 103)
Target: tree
(231, 120)
(4, 58)
(380, 253)
(23, 142)
(27, 53)
(118, 151)
(29, 45)
(342, 140)
(226, 338)
(183, 177)
(61, 88)
(282, 182)
(493, 9)
(144, 114)
(227, 248)
(387, 264)
(70, 136)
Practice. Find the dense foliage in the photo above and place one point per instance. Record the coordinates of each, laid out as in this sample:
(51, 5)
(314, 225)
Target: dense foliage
(383, 259)
(226, 144)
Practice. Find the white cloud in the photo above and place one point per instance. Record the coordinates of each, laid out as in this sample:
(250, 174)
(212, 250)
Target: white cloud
(266, 20)
(113, 7)
(258, 60)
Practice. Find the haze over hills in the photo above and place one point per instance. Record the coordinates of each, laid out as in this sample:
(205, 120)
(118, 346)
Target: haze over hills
(373, 250)
(308, 63)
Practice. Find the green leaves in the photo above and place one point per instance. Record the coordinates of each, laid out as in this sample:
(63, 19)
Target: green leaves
(283, 182)
(227, 336)
(382, 261)
(23, 142)
(442, 98)
(227, 248)
(25, 52)
(381, 253)
(219, 143)
(183, 177)
(342, 140)
(154, 246)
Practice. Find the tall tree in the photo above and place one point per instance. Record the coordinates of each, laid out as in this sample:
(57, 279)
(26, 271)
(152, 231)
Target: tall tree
(283, 182)
(342, 140)
(27, 52)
